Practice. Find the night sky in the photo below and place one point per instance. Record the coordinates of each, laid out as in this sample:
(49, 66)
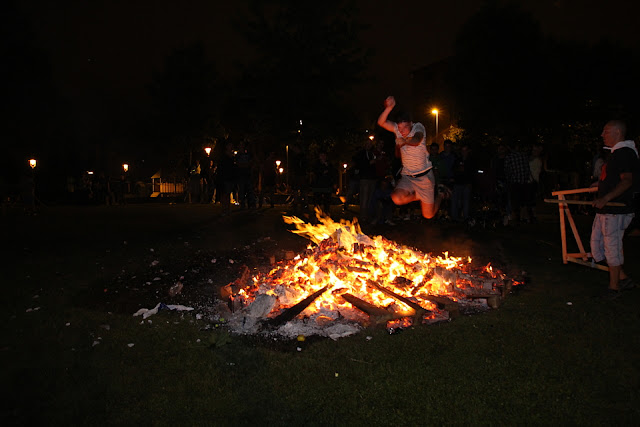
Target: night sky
(112, 48)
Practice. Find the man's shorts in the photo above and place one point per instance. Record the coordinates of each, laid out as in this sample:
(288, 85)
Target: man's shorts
(423, 186)
(606, 237)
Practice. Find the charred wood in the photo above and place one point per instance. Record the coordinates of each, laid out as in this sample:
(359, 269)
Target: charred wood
(291, 312)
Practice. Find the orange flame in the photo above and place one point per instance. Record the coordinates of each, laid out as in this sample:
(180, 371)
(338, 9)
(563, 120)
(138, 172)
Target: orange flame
(347, 261)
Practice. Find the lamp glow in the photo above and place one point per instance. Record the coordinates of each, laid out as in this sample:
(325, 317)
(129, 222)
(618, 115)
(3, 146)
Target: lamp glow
(125, 167)
(33, 163)
(207, 150)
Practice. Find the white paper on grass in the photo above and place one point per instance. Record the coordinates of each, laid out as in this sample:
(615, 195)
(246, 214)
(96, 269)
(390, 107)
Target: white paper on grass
(146, 312)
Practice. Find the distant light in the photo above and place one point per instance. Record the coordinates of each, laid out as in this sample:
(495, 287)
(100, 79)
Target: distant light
(434, 111)
(300, 122)
(278, 162)
(235, 152)
(344, 165)
(125, 166)
(371, 137)
(89, 172)
(281, 170)
(207, 150)
(33, 163)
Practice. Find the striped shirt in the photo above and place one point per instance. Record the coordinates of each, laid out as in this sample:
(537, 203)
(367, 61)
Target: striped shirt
(415, 159)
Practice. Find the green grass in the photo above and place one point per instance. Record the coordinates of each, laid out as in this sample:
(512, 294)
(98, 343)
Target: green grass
(535, 360)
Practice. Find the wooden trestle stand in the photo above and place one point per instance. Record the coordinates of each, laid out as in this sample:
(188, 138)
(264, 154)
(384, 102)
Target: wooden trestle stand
(582, 257)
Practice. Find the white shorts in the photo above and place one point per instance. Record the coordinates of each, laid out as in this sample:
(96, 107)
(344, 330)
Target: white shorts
(606, 237)
(422, 186)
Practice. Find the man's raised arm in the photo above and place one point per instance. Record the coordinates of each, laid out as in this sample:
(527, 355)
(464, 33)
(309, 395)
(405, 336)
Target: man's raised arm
(383, 121)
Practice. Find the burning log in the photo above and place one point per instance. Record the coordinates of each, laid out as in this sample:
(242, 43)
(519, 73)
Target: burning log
(419, 312)
(444, 303)
(291, 312)
(376, 314)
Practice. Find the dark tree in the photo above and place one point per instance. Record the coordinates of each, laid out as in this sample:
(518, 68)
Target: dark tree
(499, 70)
(308, 59)
(184, 97)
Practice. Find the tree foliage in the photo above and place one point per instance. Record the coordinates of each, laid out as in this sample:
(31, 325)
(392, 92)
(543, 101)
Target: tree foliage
(184, 96)
(497, 72)
(308, 59)
(509, 79)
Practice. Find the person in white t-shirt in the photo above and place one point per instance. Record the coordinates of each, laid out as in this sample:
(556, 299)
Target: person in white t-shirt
(418, 180)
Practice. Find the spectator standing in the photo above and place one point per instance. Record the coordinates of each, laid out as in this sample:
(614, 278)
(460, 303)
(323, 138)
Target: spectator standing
(616, 184)
(268, 186)
(227, 172)
(463, 175)
(518, 178)
(446, 161)
(365, 162)
(323, 182)
(246, 185)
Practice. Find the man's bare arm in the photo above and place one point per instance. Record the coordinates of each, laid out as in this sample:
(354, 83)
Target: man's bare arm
(414, 140)
(383, 120)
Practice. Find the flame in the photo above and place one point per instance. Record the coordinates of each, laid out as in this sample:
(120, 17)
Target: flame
(348, 262)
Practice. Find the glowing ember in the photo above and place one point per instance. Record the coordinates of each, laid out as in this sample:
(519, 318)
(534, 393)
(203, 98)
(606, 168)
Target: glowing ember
(350, 278)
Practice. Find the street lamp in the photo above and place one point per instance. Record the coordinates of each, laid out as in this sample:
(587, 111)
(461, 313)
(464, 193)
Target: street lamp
(371, 137)
(278, 162)
(33, 163)
(435, 111)
(207, 150)
(125, 167)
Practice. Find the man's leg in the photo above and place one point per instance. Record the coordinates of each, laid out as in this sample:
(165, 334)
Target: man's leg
(429, 210)
(613, 247)
(402, 197)
(616, 274)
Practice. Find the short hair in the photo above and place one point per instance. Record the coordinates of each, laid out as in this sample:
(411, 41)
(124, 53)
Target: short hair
(620, 125)
(404, 117)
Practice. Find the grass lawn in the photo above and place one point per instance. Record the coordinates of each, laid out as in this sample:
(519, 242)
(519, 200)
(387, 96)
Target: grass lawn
(554, 353)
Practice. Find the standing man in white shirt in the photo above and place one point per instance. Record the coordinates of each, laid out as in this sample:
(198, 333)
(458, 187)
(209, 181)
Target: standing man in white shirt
(418, 180)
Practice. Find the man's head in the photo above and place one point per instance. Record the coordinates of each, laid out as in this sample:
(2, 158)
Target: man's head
(434, 148)
(448, 145)
(614, 132)
(404, 124)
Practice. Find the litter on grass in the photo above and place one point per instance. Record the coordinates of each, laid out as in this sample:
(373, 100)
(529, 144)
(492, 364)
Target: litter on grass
(146, 312)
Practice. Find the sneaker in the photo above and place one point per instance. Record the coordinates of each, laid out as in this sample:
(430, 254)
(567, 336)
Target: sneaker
(612, 294)
(627, 284)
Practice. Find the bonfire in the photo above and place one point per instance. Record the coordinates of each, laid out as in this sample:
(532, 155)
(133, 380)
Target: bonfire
(346, 280)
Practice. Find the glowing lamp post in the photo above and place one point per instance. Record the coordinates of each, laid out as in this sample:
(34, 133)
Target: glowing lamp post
(125, 167)
(343, 177)
(435, 111)
(371, 137)
(207, 150)
(33, 163)
(278, 162)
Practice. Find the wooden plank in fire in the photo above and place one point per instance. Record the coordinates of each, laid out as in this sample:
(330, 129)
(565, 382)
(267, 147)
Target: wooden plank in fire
(291, 312)
(378, 315)
(444, 303)
(493, 298)
(419, 310)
